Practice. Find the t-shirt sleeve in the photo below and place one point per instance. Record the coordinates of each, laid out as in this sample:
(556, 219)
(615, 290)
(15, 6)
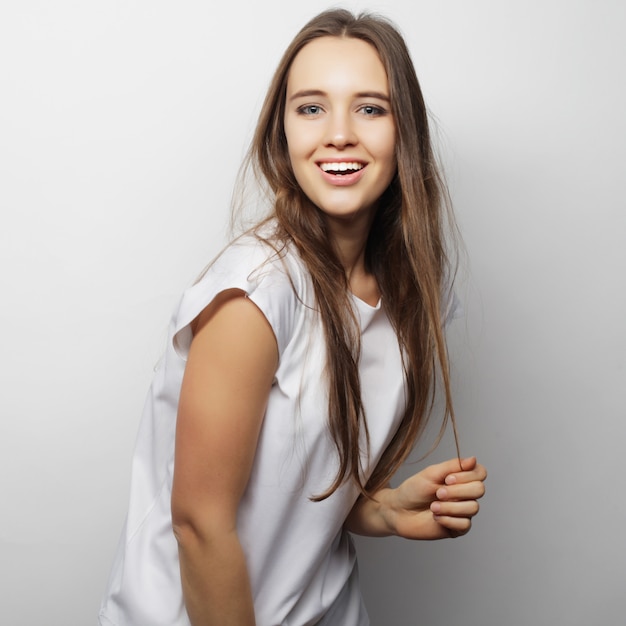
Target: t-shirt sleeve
(252, 267)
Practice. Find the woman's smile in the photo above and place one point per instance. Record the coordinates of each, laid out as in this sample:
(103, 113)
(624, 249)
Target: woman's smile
(342, 173)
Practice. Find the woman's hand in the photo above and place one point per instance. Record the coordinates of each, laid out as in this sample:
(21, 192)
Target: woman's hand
(438, 502)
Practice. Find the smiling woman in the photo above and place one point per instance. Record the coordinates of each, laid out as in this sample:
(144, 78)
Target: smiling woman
(300, 367)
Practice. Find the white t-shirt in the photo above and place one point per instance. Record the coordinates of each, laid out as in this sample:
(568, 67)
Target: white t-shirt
(302, 564)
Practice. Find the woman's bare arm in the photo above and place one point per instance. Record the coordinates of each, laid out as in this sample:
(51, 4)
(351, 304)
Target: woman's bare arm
(229, 373)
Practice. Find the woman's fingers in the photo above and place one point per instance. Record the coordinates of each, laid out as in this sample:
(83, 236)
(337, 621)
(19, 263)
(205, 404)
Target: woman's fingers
(457, 500)
(455, 526)
(463, 491)
(455, 517)
(466, 508)
(476, 472)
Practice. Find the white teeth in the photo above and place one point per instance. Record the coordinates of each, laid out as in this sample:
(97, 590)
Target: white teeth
(342, 167)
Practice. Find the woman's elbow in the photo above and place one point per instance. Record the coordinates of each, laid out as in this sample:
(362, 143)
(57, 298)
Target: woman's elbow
(193, 527)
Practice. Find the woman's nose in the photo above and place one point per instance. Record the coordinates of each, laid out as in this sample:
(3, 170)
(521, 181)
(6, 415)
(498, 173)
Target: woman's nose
(340, 131)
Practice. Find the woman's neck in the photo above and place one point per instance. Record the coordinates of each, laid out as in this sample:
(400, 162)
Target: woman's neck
(350, 241)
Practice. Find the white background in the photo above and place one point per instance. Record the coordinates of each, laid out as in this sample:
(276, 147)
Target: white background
(122, 125)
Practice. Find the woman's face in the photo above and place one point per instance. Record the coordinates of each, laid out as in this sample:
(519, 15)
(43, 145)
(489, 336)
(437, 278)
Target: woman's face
(339, 128)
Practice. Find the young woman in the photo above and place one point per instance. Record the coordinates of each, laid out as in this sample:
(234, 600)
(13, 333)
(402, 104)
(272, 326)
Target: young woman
(300, 368)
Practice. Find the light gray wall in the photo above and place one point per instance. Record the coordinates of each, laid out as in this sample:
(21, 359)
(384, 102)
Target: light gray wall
(122, 126)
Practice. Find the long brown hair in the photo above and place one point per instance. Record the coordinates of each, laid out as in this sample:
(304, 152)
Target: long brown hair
(406, 251)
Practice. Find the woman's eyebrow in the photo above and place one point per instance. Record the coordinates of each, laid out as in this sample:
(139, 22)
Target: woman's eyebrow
(306, 93)
(379, 95)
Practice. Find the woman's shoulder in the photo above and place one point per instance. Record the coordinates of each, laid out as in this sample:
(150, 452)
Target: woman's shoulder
(266, 270)
(260, 259)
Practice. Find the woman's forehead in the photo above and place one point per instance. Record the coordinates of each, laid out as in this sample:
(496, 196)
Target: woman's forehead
(337, 64)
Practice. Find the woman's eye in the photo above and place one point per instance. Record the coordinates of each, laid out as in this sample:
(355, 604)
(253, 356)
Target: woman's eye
(310, 109)
(372, 111)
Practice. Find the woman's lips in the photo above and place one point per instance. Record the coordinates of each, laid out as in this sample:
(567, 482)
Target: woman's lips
(342, 173)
